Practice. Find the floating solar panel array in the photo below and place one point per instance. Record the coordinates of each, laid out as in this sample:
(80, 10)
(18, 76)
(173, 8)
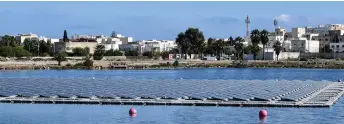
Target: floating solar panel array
(132, 88)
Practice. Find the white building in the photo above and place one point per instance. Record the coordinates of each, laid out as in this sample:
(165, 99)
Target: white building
(22, 37)
(157, 45)
(298, 32)
(304, 45)
(112, 45)
(337, 47)
(125, 40)
(45, 39)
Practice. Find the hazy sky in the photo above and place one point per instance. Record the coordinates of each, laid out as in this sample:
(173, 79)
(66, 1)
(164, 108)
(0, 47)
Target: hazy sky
(161, 20)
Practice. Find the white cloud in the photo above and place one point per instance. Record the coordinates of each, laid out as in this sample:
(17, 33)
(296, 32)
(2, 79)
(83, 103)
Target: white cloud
(283, 17)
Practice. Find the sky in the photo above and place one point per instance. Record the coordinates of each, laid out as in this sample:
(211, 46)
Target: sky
(161, 20)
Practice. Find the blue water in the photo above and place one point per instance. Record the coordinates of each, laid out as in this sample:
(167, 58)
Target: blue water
(102, 114)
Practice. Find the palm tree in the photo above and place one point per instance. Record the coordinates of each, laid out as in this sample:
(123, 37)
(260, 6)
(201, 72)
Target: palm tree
(264, 39)
(219, 46)
(239, 47)
(277, 48)
(255, 39)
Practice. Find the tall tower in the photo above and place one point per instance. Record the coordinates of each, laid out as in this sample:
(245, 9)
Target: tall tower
(275, 23)
(247, 21)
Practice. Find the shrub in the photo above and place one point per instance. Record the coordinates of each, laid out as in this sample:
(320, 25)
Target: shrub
(78, 51)
(88, 62)
(68, 65)
(6, 51)
(165, 55)
(112, 52)
(131, 53)
(175, 63)
(79, 64)
(303, 59)
(21, 52)
(60, 57)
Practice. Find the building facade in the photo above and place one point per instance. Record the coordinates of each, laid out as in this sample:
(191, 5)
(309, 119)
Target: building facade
(22, 37)
(69, 46)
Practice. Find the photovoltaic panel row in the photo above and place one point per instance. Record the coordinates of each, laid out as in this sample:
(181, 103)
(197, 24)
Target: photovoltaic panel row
(153, 88)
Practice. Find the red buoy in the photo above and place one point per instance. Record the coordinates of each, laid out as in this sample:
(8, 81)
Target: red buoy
(132, 111)
(339, 80)
(263, 114)
(133, 115)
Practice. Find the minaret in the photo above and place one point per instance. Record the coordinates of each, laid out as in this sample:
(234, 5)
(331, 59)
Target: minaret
(275, 23)
(247, 21)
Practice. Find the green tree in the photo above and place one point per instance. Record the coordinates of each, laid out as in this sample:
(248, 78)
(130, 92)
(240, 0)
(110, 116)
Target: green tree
(131, 53)
(239, 47)
(148, 54)
(165, 55)
(183, 44)
(255, 39)
(254, 49)
(99, 52)
(264, 39)
(65, 36)
(231, 41)
(219, 47)
(87, 51)
(50, 48)
(19, 51)
(31, 45)
(59, 57)
(6, 51)
(174, 51)
(210, 47)
(43, 48)
(9, 41)
(112, 52)
(196, 39)
(78, 51)
(277, 48)
(88, 62)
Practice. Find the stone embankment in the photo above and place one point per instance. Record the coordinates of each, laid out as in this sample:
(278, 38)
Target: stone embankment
(74, 63)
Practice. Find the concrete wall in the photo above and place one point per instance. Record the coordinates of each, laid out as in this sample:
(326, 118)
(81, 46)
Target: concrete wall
(69, 46)
(322, 55)
(286, 55)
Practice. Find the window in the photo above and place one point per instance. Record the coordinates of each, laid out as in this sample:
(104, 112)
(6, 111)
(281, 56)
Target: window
(319, 39)
(326, 39)
(342, 45)
(337, 46)
(332, 46)
(302, 45)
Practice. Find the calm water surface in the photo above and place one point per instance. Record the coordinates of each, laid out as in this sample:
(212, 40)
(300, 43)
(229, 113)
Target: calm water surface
(102, 114)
